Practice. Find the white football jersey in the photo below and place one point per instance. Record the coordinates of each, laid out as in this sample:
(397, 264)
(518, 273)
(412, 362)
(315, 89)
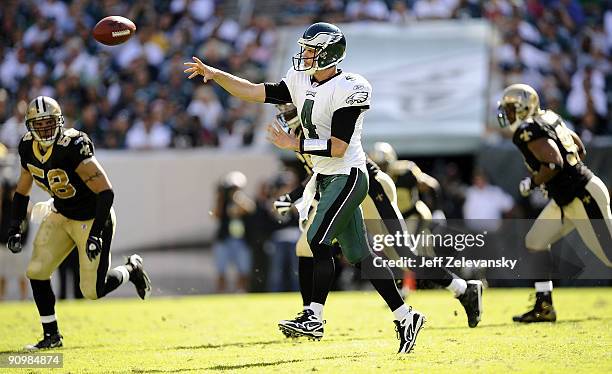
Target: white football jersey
(316, 104)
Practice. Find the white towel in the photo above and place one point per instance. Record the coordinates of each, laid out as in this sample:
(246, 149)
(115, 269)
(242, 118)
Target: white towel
(303, 203)
(41, 210)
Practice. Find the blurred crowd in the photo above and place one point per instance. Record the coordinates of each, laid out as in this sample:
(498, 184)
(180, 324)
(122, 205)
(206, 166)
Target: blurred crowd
(562, 48)
(135, 96)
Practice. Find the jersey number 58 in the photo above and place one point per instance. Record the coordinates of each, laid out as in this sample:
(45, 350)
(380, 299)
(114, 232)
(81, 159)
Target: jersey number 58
(59, 184)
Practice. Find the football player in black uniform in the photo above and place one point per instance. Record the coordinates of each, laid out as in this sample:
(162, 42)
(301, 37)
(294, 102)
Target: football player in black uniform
(413, 185)
(579, 200)
(61, 162)
(380, 206)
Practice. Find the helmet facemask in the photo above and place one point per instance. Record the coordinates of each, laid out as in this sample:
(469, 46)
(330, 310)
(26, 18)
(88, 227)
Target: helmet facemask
(45, 129)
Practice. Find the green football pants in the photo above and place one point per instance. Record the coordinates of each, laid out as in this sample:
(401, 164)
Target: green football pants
(338, 215)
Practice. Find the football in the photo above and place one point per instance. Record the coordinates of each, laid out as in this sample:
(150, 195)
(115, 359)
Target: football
(113, 30)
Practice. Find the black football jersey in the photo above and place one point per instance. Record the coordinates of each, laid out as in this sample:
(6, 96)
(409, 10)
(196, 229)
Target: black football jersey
(405, 174)
(55, 172)
(574, 175)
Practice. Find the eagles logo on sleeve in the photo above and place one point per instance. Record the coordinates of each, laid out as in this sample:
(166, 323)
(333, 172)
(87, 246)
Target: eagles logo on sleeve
(357, 98)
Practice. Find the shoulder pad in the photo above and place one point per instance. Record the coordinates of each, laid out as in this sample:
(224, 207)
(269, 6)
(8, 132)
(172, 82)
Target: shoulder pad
(353, 82)
(401, 167)
(27, 136)
(547, 118)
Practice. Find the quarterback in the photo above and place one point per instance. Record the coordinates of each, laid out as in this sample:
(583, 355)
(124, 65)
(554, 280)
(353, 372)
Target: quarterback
(382, 215)
(579, 199)
(62, 162)
(331, 104)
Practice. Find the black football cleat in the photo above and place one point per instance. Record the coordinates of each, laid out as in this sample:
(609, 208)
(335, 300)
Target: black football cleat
(306, 324)
(407, 330)
(471, 300)
(543, 310)
(289, 333)
(139, 277)
(49, 341)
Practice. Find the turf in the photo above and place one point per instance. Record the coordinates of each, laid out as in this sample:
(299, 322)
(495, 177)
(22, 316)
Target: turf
(239, 334)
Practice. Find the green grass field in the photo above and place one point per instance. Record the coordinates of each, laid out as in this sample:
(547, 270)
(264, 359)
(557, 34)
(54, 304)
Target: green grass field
(239, 334)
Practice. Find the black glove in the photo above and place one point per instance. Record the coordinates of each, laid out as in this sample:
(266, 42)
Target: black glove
(14, 241)
(282, 204)
(94, 247)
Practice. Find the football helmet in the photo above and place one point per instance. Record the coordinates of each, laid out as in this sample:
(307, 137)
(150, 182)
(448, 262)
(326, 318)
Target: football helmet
(519, 103)
(383, 155)
(41, 109)
(326, 43)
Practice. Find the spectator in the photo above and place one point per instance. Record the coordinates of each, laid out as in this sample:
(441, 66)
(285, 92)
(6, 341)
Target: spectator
(206, 107)
(485, 204)
(148, 134)
(400, 14)
(283, 265)
(434, 9)
(232, 207)
(14, 128)
(367, 10)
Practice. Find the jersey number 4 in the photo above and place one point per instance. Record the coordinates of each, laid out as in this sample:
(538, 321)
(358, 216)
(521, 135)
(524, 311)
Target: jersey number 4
(59, 185)
(306, 117)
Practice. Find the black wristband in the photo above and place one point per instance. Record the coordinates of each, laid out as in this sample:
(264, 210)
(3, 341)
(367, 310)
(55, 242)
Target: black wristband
(19, 210)
(103, 207)
(317, 147)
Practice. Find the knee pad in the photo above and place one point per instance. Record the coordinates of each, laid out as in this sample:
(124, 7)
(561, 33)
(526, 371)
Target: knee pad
(36, 271)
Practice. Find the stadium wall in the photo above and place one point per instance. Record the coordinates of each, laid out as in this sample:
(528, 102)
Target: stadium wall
(163, 199)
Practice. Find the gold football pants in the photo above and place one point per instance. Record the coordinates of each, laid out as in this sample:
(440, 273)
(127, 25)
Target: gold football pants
(56, 237)
(588, 213)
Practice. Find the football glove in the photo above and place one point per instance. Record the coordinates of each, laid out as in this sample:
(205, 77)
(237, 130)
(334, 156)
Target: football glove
(94, 247)
(525, 187)
(14, 243)
(282, 204)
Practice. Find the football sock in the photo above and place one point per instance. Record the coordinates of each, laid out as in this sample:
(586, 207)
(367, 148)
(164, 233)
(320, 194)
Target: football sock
(317, 309)
(323, 272)
(114, 278)
(401, 312)
(45, 302)
(457, 286)
(543, 286)
(305, 269)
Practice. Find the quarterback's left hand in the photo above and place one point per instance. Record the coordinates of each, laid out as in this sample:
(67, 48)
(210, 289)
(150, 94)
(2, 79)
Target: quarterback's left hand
(94, 247)
(278, 137)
